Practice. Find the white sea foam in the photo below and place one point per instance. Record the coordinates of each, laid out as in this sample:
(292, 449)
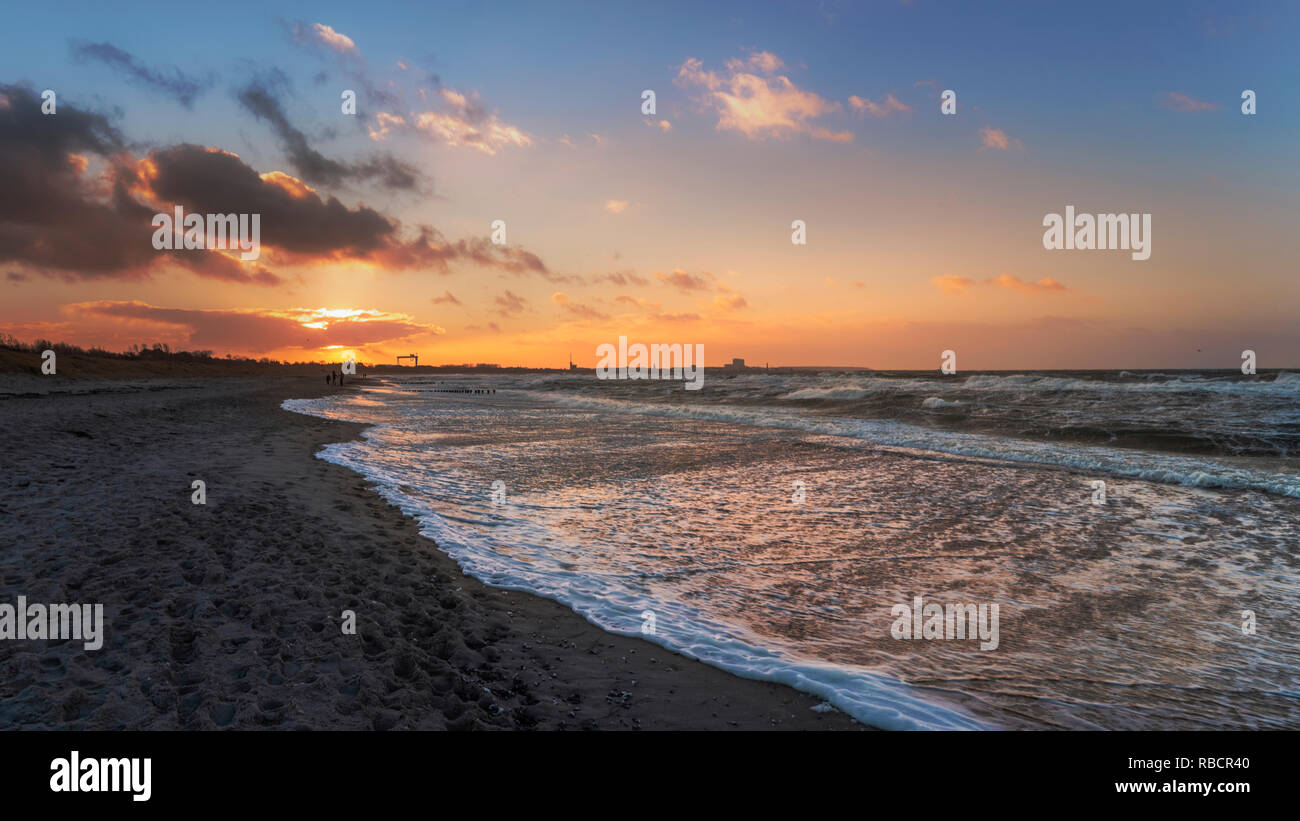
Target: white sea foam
(935, 402)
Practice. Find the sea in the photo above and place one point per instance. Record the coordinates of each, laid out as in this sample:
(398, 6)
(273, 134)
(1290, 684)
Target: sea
(1136, 532)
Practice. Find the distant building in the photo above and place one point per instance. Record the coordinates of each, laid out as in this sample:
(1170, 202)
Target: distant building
(735, 365)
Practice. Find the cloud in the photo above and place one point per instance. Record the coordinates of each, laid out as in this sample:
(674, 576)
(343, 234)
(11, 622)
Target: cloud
(509, 304)
(998, 139)
(764, 62)
(464, 121)
(340, 50)
(575, 309)
(386, 122)
(446, 298)
(446, 115)
(1044, 285)
(336, 40)
(683, 281)
(616, 206)
(621, 278)
(489, 137)
(171, 81)
(79, 205)
(261, 100)
(662, 125)
(61, 220)
(959, 285)
(733, 302)
(301, 226)
(1181, 102)
(880, 110)
(319, 34)
(259, 330)
(757, 105)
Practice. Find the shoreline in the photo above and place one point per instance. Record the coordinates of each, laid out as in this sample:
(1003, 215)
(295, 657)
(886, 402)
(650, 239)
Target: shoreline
(227, 615)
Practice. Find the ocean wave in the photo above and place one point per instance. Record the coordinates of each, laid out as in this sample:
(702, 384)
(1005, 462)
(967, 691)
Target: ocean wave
(1180, 470)
(935, 402)
(1283, 384)
(837, 392)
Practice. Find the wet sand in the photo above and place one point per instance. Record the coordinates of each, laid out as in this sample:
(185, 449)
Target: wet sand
(228, 615)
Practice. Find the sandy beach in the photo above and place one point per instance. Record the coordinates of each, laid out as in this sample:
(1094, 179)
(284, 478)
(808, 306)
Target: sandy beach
(227, 615)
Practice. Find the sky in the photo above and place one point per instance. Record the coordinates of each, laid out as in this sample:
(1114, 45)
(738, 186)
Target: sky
(924, 230)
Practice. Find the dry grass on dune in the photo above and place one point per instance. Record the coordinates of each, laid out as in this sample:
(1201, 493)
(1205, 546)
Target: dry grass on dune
(87, 366)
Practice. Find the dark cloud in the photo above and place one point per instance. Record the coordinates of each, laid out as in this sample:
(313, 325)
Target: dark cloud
(50, 215)
(509, 304)
(62, 217)
(171, 80)
(293, 218)
(447, 297)
(262, 100)
(54, 219)
(298, 221)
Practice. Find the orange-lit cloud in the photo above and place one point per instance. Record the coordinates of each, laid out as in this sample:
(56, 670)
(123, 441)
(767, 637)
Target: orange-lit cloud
(998, 139)
(765, 62)
(334, 40)
(575, 309)
(959, 285)
(729, 302)
(683, 281)
(258, 330)
(757, 105)
(1181, 102)
(488, 137)
(386, 122)
(879, 110)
